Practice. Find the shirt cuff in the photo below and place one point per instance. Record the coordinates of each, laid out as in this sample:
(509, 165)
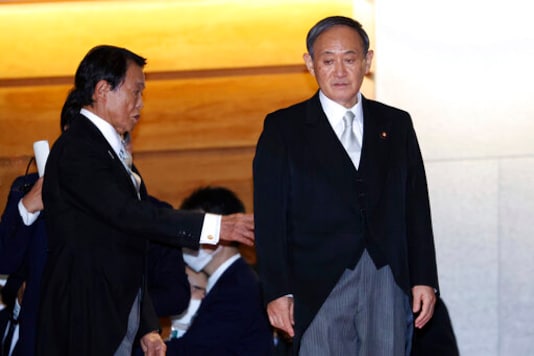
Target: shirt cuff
(27, 217)
(211, 228)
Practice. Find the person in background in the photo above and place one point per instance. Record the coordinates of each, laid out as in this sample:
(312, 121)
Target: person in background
(23, 249)
(344, 241)
(23, 246)
(231, 319)
(99, 220)
(11, 294)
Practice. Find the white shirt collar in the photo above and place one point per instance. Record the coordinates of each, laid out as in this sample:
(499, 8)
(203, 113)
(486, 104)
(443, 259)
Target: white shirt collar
(334, 113)
(219, 271)
(109, 132)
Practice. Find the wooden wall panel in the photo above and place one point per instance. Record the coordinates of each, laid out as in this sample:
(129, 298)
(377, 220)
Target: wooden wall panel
(191, 113)
(215, 69)
(173, 34)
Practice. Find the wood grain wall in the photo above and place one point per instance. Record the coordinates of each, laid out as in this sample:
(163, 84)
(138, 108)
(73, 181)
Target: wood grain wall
(215, 69)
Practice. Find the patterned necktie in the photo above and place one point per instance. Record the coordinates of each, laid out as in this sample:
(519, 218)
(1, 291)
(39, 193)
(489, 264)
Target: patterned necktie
(348, 138)
(127, 160)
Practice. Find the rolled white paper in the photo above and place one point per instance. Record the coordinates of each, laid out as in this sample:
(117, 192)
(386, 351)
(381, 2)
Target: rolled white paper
(41, 150)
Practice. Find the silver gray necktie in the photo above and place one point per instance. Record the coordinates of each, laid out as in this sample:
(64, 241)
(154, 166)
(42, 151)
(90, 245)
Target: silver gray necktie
(348, 138)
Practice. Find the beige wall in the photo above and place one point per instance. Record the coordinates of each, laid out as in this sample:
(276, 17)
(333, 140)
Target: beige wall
(463, 69)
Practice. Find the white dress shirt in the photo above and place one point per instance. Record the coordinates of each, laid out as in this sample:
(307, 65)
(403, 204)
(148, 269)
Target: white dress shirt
(27, 217)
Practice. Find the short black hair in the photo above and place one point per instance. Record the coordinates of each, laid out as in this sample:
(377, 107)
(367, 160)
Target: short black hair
(329, 22)
(102, 62)
(215, 200)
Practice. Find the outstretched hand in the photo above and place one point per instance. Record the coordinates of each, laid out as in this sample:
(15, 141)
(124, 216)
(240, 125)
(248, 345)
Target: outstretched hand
(238, 227)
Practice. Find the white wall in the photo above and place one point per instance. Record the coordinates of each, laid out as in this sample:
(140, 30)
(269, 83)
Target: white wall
(463, 69)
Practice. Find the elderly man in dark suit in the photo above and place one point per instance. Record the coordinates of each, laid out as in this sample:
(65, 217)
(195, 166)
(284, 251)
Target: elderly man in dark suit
(99, 220)
(343, 230)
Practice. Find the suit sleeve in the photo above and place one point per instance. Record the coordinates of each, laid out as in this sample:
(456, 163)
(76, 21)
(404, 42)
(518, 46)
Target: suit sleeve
(15, 236)
(422, 257)
(270, 171)
(100, 186)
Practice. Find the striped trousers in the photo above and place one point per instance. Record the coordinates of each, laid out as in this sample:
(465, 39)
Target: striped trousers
(366, 314)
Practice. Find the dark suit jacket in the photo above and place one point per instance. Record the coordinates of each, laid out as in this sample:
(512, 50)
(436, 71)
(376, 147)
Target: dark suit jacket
(23, 255)
(98, 231)
(231, 319)
(310, 204)
(167, 281)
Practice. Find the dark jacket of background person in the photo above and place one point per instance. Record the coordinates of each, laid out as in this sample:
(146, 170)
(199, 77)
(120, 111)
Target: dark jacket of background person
(23, 251)
(231, 319)
(88, 194)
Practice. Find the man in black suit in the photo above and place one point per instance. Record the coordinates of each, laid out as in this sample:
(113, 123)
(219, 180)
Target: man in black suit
(231, 319)
(99, 220)
(343, 231)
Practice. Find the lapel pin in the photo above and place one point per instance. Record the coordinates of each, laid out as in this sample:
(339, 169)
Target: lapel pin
(383, 135)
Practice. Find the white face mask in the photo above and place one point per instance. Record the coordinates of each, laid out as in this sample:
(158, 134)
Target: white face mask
(199, 259)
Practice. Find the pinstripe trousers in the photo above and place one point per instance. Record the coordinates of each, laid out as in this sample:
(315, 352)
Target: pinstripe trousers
(126, 346)
(366, 314)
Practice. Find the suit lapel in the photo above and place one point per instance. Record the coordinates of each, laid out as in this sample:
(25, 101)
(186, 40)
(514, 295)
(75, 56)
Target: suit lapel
(374, 160)
(93, 133)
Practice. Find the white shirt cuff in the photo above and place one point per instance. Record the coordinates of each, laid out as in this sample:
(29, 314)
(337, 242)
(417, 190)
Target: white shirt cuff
(211, 228)
(27, 217)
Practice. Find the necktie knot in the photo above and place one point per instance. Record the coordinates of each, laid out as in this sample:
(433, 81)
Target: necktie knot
(348, 119)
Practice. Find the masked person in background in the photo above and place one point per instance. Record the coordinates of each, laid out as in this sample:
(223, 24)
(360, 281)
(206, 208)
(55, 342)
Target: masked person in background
(230, 319)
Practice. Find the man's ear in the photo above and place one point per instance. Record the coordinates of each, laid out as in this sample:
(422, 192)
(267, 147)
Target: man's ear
(101, 89)
(309, 63)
